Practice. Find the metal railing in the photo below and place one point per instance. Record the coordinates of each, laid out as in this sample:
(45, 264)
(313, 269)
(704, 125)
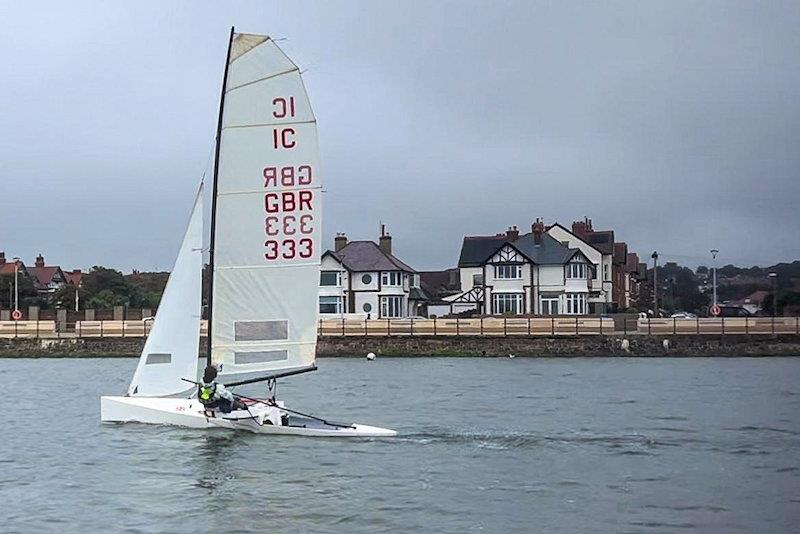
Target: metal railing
(482, 326)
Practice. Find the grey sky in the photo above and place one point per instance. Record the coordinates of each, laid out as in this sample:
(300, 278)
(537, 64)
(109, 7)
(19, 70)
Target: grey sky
(676, 124)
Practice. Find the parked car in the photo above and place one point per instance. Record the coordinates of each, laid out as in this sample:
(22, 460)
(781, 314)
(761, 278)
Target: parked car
(683, 315)
(733, 311)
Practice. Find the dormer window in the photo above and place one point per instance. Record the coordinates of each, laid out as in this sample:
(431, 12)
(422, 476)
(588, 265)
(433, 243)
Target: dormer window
(508, 272)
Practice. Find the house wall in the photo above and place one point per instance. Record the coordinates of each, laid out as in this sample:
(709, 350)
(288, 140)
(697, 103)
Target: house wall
(466, 274)
(603, 263)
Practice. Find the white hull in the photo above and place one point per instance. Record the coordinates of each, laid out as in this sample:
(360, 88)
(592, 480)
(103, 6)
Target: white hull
(190, 413)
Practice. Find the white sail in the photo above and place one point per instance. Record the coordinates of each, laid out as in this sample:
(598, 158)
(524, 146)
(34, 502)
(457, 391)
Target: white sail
(171, 350)
(268, 207)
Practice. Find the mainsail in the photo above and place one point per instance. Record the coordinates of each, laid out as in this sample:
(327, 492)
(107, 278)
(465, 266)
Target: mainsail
(171, 350)
(267, 215)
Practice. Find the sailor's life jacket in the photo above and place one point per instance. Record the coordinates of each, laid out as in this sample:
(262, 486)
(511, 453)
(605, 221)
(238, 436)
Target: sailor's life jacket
(206, 393)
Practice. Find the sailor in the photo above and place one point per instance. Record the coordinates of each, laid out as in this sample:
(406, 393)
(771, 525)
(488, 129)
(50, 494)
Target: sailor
(214, 395)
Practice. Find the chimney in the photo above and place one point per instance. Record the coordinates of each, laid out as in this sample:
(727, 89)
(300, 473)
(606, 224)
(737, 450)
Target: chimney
(581, 228)
(512, 233)
(537, 229)
(2, 258)
(452, 278)
(39, 261)
(385, 242)
(339, 242)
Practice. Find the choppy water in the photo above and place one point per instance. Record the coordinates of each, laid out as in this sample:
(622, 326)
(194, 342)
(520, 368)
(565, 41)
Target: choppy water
(522, 445)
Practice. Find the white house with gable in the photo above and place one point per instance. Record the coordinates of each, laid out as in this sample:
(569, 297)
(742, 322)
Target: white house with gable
(600, 281)
(365, 278)
(513, 274)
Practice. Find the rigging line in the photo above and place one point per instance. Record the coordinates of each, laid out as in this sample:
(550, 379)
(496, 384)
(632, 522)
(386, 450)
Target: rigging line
(321, 420)
(208, 159)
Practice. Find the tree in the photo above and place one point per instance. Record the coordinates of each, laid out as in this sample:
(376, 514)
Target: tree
(27, 292)
(106, 299)
(65, 297)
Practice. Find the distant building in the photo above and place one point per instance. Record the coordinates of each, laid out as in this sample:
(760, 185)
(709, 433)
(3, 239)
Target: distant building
(74, 277)
(364, 277)
(7, 267)
(438, 285)
(611, 284)
(47, 278)
(513, 274)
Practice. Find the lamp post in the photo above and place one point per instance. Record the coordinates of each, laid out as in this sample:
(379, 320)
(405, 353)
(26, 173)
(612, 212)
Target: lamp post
(714, 253)
(774, 278)
(16, 284)
(654, 255)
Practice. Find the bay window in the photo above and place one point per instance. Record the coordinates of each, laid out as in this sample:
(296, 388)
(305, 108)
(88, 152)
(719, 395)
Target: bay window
(391, 307)
(576, 303)
(507, 304)
(576, 270)
(392, 278)
(508, 271)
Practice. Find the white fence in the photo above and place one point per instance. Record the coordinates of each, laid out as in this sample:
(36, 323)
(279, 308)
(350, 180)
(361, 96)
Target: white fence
(486, 326)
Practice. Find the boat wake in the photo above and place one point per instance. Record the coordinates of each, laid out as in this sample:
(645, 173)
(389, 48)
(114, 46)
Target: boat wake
(532, 440)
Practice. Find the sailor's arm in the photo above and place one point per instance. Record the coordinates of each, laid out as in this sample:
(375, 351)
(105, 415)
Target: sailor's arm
(224, 393)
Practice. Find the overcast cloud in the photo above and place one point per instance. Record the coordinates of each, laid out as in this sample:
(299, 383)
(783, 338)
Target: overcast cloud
(676, 124)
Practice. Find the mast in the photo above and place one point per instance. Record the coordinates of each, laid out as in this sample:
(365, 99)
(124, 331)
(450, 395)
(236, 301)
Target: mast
(214, 200)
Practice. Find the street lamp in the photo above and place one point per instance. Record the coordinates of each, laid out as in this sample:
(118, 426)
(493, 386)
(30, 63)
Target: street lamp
(774, 278)
(16, 284)
(714, 253)
(654, 255)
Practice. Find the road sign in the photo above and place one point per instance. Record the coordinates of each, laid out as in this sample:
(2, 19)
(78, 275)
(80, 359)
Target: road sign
(715, 310)
(16, 315)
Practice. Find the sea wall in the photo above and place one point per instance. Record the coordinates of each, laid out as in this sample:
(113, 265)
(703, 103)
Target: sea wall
(637, 345)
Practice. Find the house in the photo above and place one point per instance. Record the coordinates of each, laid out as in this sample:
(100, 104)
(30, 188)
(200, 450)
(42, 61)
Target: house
(366, 278)
(513, 274)
(47, 278)
(636, 274)
(437, 285)
(74, 277)
(610, 285)
(601, 283)
(7, 268)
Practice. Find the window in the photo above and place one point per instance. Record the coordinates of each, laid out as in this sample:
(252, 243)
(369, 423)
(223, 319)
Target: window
(507, 303)
(330, 278)
(330, 305)
(367, 307)
(392, 278)
(366, 279)
(576, 303)
(512, 271)
(605, 273)
(549, 304)
(477, 279)
(391, 306)
(576, 270)
(414, 280)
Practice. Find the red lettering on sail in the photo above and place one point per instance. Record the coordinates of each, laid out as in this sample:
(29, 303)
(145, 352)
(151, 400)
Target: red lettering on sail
(283, 138)
(283, 107)
(290, 176)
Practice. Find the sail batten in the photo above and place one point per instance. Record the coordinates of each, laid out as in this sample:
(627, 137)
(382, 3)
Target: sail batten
(268, 207)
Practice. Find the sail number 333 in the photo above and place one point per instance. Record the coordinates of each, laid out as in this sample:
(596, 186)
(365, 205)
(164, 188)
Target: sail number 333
(289, 214)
